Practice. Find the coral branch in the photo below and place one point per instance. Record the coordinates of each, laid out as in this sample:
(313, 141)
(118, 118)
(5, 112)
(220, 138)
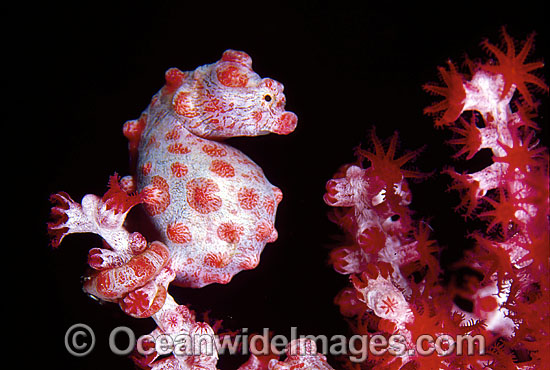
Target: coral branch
(394, 267)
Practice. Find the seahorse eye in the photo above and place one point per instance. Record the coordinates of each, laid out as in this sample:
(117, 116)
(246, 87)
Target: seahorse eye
(267, 98)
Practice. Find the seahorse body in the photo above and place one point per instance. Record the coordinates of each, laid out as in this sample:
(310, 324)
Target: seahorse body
(211, 204)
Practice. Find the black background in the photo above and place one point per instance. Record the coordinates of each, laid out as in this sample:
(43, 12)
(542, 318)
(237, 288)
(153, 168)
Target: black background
(77, 72)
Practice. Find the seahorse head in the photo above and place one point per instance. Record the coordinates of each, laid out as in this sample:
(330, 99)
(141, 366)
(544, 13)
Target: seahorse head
(227, 99)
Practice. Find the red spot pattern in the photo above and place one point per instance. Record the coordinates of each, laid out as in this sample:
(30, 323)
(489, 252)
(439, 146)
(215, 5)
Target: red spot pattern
(249, 263)
(178, 148)
(216, 105)
(146, 168)
(217, 260)
(222, 168)
(269, 205)
(222, 278)
(229, 232)
(132, 129)
(264, 230)
(178, 233)
(257, 115)
(214, 150)
(156, 196)
(174, 78)
(286, 123)
(138, 303)
(184, 105)
(248, 198)
(135, 302)
(269, 83)
(152, 142)
(231, 76)
(201, 195)
(237, 57)
(172, 135)
(278, 194)
(128, 184)
(178, 169)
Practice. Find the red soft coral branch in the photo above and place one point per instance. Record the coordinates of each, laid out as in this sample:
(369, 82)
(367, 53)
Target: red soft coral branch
(383, 163)
(521, 154)
(471, 138)
(508, 291)
(451, 107)
(503, 212)
(117, 199)
(513, 67)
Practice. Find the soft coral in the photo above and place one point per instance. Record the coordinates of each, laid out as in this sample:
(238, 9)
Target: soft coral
(454, 94)
(383, 163)
(513, 67)
(471, 140)
(521, 154)
(504, 211)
